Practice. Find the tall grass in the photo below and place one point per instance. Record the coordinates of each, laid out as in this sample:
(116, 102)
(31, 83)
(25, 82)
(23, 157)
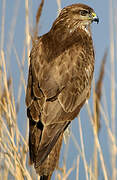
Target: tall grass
(14, 142)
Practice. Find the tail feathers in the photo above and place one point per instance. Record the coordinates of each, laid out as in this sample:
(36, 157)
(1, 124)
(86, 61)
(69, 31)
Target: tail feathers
(45, 177)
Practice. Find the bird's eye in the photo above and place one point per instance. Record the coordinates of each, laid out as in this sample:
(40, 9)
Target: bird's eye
(83, 13)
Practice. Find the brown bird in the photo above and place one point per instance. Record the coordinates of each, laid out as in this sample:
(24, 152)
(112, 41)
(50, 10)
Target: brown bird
(59, 82)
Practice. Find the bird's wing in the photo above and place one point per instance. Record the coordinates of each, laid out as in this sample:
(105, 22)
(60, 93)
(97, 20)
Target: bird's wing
(56, 91)
(68, 78)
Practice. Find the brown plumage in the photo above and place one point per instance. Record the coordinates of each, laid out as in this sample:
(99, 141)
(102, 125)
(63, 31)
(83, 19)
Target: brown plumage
(59, 82)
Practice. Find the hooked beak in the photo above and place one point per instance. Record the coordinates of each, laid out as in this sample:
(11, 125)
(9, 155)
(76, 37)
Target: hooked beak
(95, 18)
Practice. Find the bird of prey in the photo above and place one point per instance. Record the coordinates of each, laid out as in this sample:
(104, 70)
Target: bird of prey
(59, 82)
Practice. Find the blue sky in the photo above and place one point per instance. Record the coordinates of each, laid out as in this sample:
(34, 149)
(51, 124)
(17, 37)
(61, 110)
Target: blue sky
(15, 11)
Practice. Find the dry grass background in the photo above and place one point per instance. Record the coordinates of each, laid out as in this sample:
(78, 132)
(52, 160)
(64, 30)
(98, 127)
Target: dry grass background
(14, 144)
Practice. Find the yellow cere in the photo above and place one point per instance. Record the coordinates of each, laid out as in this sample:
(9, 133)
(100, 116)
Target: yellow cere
(93, 14)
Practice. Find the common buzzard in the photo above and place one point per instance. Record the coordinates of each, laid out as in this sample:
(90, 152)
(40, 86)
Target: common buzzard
(59, 82)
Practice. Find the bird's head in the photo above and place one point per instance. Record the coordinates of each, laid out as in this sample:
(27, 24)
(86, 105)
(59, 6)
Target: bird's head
(80, 13)
(75, 16)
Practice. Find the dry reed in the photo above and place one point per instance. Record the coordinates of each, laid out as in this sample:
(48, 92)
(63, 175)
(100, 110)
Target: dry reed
(14, 145)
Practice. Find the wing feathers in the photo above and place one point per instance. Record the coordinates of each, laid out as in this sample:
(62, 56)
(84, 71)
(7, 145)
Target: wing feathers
(58, 85)
(35, 132)
(50, 136)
